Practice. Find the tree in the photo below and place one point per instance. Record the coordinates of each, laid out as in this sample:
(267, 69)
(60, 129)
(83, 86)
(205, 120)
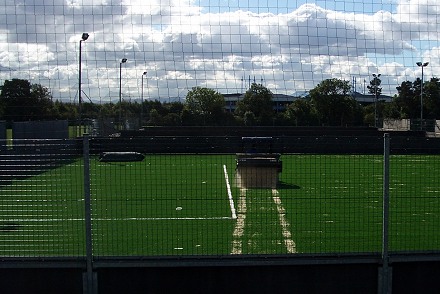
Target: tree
(19, 101)
(172, 119)
(391, 110)
(249, 118)
(42, 101)
(301, 113)
(155, 118)
(14, 96)
(333, 103)
(257, 100)
(431, 98)
(109, 110)
(374, 88)
(205, 105)
(62, 110)
(407, 101)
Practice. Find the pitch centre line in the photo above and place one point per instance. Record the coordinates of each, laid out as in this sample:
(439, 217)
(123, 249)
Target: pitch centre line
(285, 226)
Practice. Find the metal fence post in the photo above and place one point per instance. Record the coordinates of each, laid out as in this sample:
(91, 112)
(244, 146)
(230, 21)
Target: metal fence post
(385, 271)
(89, 279)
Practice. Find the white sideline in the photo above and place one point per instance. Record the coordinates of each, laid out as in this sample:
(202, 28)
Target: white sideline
(114, 219)
(231, 200)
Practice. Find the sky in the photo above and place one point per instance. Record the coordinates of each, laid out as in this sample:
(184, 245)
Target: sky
(288, 46)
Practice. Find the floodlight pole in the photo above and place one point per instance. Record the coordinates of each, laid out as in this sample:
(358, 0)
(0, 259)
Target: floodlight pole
(84, 37)
(142, 97)
(123, 60)
(376, 76)
(422, 65)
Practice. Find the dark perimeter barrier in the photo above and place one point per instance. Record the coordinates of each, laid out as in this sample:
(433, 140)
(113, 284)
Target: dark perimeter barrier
(411, 273)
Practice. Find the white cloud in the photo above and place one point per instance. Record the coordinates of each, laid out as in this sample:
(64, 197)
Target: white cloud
(181, 46)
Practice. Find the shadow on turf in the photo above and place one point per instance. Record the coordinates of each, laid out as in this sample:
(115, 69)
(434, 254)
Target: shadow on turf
(7, 227)
(284, 185)
(121, 163)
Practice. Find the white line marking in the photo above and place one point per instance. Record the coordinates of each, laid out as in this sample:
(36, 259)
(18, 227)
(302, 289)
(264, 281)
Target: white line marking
(113, 219)
(231, 203)
(285, 226)
(237, 243)
(231, 200)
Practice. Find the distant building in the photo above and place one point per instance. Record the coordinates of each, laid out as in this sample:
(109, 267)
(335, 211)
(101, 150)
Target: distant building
(366, 99)
(231, 101)
(281, 101)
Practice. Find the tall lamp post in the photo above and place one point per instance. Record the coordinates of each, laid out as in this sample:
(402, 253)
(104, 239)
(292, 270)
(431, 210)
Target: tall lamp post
(142, 97)
(422, 65)
(84, 37)
(376, 77)
(123, 60)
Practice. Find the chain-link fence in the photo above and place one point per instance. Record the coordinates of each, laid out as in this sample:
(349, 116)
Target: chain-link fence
(41, 198)
(108, 197)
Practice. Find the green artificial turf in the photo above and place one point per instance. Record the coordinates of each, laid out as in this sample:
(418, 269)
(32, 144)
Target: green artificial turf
(179, 205)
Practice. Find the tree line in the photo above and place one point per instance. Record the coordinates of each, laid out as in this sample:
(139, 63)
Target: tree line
(330, 103)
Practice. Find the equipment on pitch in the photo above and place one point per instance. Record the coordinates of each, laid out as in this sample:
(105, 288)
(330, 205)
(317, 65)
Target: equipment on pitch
(258, 167)
(121, 156)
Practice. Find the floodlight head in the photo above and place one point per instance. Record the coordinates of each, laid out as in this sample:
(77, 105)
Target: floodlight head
(419, 63)
(426, 64)
(84, 36)
(145, 73)
(124, 60)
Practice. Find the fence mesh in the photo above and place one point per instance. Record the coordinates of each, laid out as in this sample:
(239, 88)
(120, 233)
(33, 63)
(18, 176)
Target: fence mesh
(152, 204)
(290, 46)
(41, 198)
(414, 202)
(165, 204)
